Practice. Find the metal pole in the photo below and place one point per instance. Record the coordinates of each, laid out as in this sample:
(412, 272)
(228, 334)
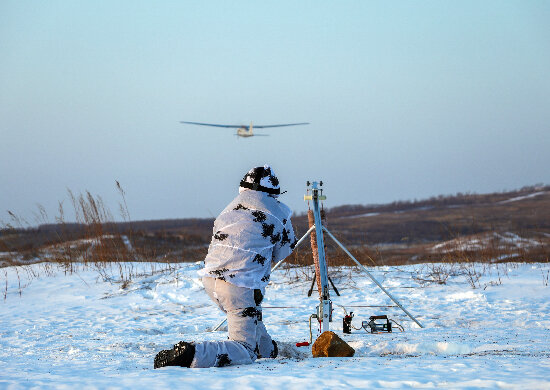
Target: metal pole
(295, 246)
(324, 299)
(273, 269)
(372, 277)
(219, 325)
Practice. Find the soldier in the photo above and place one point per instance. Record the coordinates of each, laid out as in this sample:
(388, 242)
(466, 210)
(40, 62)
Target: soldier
(250, 233)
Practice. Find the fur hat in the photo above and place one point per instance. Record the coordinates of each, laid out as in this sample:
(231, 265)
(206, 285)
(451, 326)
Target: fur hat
(261, 179)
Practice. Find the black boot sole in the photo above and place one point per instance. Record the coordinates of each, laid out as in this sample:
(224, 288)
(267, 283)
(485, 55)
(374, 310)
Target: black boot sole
(181, 355)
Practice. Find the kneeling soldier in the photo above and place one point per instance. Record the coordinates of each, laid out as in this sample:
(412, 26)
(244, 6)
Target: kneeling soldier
(250, 233)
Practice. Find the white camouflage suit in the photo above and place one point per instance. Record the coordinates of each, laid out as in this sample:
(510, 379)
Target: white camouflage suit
(250, 233)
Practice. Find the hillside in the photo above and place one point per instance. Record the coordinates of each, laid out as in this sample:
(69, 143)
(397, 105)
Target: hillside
(513, 225)
(474, 227)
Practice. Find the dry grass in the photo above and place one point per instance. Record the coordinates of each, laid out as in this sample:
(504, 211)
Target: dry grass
(448, 234)
(93, 242)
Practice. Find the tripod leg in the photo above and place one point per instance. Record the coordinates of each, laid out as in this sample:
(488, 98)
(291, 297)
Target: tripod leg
(372, 277)
(297, 243)
(333, 286)
(312, 284)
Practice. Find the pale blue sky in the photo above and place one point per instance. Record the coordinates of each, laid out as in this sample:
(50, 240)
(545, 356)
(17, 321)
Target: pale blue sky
(406, 100)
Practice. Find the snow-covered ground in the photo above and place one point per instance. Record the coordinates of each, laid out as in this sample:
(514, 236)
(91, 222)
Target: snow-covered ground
(80, 331)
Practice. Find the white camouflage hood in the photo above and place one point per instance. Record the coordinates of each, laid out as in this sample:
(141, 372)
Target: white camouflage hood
(261, 179)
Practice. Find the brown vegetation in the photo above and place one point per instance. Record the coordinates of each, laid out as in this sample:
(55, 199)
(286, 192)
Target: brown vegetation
(507, 226)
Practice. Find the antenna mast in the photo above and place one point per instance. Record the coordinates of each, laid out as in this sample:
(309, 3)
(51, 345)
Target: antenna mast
(324, 310)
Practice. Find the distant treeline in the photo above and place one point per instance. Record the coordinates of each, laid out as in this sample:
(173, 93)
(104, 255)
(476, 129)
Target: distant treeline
(405, 222)
(194, 231)
(441, 218)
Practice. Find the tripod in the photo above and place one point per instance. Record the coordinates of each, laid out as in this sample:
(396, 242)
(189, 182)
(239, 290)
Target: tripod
(310, 291)
(325, 305)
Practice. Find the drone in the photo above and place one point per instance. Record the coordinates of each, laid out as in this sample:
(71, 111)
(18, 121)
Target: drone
(244, 130)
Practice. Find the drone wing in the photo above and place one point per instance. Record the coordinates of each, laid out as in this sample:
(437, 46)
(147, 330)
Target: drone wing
(212, 124)
(286, 124)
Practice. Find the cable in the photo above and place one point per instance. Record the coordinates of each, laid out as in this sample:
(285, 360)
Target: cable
(399, 326)
(372, 306)
(345, 311)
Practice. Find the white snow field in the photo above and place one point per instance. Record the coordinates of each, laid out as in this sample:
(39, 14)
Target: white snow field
(80, 331)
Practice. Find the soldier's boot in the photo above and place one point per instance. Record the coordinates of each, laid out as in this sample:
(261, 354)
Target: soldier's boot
(181, 355)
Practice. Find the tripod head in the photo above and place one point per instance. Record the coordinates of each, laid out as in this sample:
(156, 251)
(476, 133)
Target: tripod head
(316, 191)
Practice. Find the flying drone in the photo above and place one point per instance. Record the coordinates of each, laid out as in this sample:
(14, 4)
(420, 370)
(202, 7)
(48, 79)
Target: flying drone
(244, 130)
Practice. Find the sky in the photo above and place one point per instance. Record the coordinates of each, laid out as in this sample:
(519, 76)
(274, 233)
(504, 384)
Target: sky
(406, 100)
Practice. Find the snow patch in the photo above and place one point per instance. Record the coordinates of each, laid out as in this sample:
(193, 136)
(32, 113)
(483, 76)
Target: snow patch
(463, 296)
(363, 215)
(493, 240)
(434, 348)
(534, 194)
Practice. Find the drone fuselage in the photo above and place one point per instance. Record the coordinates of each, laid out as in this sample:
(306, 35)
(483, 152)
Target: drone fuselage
(245, 132)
